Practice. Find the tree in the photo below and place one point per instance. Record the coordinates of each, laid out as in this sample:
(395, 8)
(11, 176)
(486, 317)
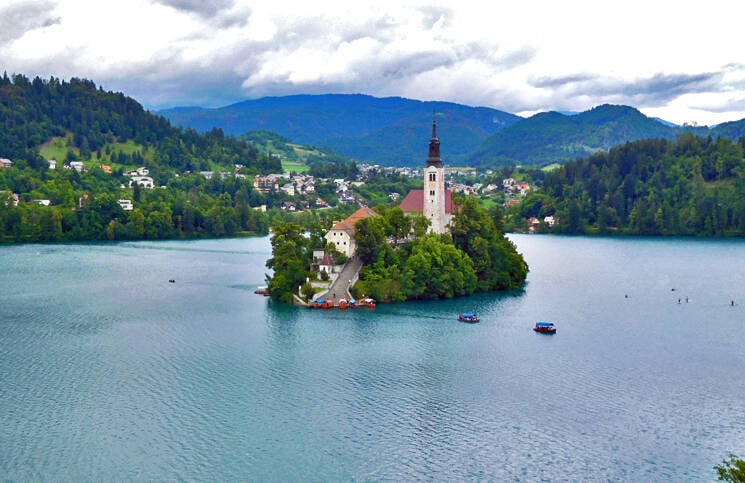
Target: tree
(370, 237)
(732, 470)
(290, 261)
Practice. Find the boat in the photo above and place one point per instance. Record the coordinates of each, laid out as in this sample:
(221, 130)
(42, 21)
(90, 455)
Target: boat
(343, 304)
(468, 317)
(367, 302)
(545, 327)
(321, 304)
(263, 290)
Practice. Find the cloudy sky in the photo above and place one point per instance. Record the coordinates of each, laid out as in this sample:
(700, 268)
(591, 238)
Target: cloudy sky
(683, 61)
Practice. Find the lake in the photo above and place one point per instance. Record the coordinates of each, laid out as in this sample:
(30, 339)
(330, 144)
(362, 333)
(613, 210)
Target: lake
(110, 372)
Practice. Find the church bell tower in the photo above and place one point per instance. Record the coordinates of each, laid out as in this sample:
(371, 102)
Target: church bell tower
(434, 186)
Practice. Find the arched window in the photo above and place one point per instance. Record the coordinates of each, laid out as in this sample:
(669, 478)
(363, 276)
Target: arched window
(432, 176)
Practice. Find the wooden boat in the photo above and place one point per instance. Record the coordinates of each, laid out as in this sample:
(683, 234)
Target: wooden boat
(343, 304)
(545, 327)
(263, 290)
(367, 302)
(468, 317)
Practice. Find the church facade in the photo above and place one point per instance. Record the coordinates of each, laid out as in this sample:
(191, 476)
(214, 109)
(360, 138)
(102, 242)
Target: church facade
(434, 201)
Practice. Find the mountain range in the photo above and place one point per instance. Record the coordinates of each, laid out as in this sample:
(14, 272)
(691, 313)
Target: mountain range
(395, 131)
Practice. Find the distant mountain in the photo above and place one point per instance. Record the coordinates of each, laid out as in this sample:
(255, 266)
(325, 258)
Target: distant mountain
(553, 137)
(386, 131)
(732, 130)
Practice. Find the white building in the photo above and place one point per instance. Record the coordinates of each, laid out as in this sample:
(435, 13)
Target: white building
(342, 233)
(126, 205)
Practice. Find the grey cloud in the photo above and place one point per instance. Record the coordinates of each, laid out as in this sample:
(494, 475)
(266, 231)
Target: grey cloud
(19, 18)
(561, 81)
(432, 15)
(653, 91)
(729, 106)
(205, 9)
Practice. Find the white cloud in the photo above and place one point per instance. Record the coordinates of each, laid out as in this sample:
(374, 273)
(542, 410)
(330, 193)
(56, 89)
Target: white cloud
(680, 61)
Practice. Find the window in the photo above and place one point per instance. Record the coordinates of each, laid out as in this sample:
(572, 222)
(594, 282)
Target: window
(431, 192)
(432, 176)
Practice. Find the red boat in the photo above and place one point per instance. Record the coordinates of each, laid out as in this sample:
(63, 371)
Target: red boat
(468, 317)
(367, 302)
(545, 327)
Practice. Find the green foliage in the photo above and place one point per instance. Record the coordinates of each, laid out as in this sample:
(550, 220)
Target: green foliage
(477, 257)
(691, 186)
(291, 257)
(732, 470)
(496, 261)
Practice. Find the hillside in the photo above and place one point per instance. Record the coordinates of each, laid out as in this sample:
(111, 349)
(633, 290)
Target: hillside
(386, 131)
(91, 191)
(553, 137)
(688, 187)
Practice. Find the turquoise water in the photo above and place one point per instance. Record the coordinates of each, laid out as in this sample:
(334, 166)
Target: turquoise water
(109, 372)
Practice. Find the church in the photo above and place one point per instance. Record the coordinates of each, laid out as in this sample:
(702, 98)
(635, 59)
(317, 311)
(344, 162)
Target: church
(434, 201)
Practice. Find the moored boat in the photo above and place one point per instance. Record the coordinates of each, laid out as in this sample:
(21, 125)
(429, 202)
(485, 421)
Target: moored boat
(367, 302)
(468, 317)
(545, 327)
(343, 304)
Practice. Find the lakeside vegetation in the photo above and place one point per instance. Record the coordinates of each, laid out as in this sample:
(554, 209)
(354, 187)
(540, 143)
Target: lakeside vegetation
(689, 187)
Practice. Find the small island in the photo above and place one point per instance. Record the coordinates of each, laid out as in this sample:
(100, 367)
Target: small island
(434, 245)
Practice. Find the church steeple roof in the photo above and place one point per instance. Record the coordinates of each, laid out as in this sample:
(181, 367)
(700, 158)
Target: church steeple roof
(434, 148)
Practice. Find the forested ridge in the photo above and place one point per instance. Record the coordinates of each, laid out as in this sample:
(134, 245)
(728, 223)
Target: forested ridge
(112, 134)
(689, 186)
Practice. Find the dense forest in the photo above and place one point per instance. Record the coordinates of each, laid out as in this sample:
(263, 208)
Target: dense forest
(112, 134)
(690, 186)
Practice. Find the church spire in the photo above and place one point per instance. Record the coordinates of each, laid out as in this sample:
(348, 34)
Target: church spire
(434, 147)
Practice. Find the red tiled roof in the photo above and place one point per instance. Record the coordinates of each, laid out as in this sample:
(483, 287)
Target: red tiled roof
(348, 224)
(414, 201)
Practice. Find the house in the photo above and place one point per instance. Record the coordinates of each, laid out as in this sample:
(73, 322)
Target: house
(342, 233)
(434, 201)
(5, 163)
(326, 264)
(143, 181)
(42, 202)
(288, 188)
(52, 163)
(549, 221)
(143, 171)
(266, 184)
(106, 168)
(126, 205)
(77, 166)
(533, 224)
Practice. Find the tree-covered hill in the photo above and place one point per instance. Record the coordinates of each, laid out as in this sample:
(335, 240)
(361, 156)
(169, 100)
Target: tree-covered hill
(386, 131)
(690, 186)
(553, 137)
(108, 135)
(34, 111)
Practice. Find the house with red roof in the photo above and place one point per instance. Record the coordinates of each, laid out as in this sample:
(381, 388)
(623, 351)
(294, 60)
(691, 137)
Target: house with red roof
(341, 233)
